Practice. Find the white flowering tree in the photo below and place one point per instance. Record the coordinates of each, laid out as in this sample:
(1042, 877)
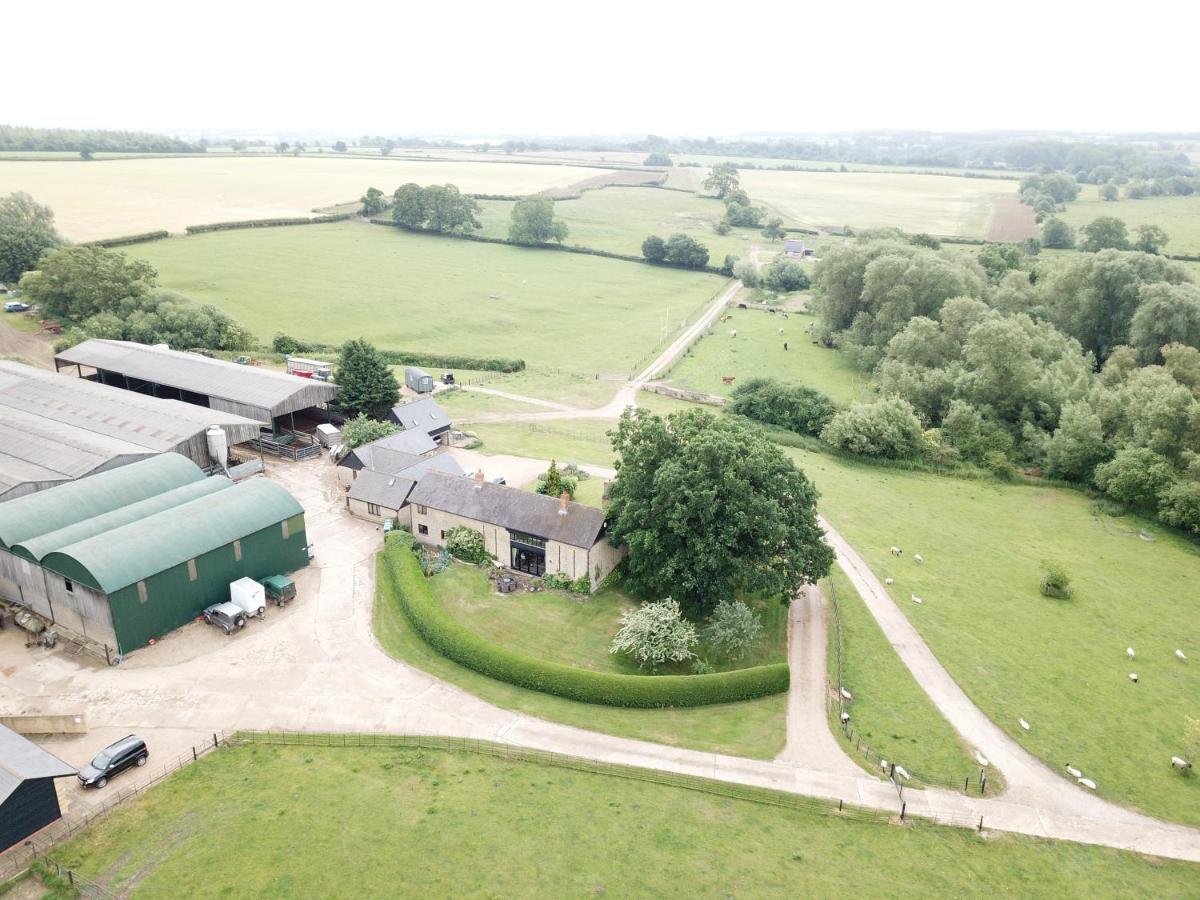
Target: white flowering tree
(655, 633)
(733, 628)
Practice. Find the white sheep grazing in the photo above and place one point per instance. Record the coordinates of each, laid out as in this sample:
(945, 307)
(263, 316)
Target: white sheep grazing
(1182, 764)
(889, 581)
(1073, 772)
(918, 558)
(981, 759)
(1133, 677)
(781, 331)
(846, 695)
(845, 717)
(1024, 724)
(1181, 654)
(883, 765)
(1087, 783)
(902, 773)
(915, 598)
(896, 551)
(733, 333)
(1129, 652)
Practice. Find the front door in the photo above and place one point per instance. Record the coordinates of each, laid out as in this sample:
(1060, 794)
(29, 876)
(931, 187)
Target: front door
(529, 561)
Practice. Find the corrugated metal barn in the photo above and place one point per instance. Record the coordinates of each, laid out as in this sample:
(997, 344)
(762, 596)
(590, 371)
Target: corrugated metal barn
(54, 429)
(129, 555)
(28, 797)
(256, 393)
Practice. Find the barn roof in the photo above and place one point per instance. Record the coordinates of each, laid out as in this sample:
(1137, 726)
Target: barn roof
(237, 387)
(514, 509)
(382, 489)
(126, 555)
(22, 760)
(74, 501)
(423, 415)
(395, 451)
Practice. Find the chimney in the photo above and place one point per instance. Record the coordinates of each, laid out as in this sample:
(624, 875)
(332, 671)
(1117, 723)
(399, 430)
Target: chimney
(562, 503)
(479, 479)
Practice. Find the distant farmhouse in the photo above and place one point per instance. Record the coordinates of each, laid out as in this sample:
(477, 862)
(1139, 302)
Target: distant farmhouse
(795, 248)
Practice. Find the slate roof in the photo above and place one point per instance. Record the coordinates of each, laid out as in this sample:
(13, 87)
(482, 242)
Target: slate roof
(514, 509)
(382, 489)
(22, 760)
(424, 415)
(392, 453)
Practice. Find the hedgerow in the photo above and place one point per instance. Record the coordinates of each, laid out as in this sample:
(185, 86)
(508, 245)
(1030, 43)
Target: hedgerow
(267, 223)
(127, 239)
(403, 584)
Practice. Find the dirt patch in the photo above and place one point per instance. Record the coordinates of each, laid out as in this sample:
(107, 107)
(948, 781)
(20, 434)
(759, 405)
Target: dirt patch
(619, 176)
(1012, 220)
(28, 347)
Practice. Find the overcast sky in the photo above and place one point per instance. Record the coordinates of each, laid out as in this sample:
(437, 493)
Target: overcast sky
(516, 67)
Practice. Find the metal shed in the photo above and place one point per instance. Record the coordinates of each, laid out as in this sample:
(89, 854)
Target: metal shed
(28, 798)
(261, 394)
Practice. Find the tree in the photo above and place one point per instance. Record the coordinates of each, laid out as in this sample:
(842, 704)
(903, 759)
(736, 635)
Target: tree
(1150, 239)
(363, 430)
(887, 428)
(75, 283)
(1166, 314)
(408, 206)
(722, 178)
(1104, 233)
(1109, 192)
(747, 272)
(1183, 364)
(657, 159)
(655, 633)
(795, 407)
(553, 482)
(282, 147)
(732, 629)
(998, 260)
(744, 215)
(386, 148)
(1057, 234)
(1078, 444)
(450, 211)
(1136, 476)
(654, 249)
(26, 232)
(1055, 581)
(785, 275)
(710, 509)
(373, 202)
(533, 222)
(340, 146)
(366, 385)
(774, 230)
(684, 250)
(162, 318)
(1179, 506)
(86, 153)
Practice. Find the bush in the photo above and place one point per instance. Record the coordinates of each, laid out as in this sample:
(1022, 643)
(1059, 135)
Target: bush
(363, 430)
(784, 276)
(684, 250)
(654, 249)
(128, 239)
(1136, 476)
(1179, 506)
(791, 406)
(467, 544)
(655, 633)
(887, 428)
(284, 343)
(401, 583)
(1055, 581)
(267, 223)
(748, 273)
(732, 629)
(559, 582)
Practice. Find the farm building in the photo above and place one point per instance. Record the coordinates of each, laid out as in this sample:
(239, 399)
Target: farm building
(28, 796)
(793, 248)
(379, 494)
(128, 555)
(389, 454)
(423, 415)
(54, 429)
(261, 394)
(527, 532)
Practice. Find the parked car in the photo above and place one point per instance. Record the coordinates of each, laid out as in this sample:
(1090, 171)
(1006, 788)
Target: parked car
(225, 616)
(126, 753)
(16, 306)
(447, 378)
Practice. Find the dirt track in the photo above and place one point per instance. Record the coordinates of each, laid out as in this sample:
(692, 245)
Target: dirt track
(34, 349)
(1012, 220)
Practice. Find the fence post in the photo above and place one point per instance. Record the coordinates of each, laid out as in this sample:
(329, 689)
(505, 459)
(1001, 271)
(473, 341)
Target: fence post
(903, 807)
(194, 756)
(966, 784)
(982, 782)
(70, 878)
(981, 823)
(839, 805)
(214, 740)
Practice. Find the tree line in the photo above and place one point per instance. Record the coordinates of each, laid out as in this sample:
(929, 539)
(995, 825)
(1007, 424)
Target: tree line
(21, 138)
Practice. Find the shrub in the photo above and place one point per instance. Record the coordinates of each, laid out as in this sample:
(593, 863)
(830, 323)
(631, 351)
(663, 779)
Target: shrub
(784, 276)
(402, 584)
(124, 241)
(887, 428)
(748, 273)
(684, 250)
(467, 544)
(1179, 506)
(733, 628)
(266, 223)
(722, 227)
(363, 430)
(791, 406)
(1136, 476)
(655, 633)
(654, 249)
(1055, 581)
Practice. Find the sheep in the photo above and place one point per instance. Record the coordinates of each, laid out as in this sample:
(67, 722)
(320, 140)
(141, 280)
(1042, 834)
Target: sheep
(896, 551)
(899, 770)
(1024, 724)
(845, 717)
(733, 333)
(1133, 677)
(915, 599)
(1181, 654)
(918, 558)
(781, 331)
(1181, 764)
(883, 765)
(1087, 783)
(1129, 652)
(1073, 772)
(981, 759)
(889, 581)
(846, 695)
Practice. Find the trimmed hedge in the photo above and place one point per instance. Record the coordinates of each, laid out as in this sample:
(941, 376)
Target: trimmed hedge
(129, 239)
(404, 357)
(404, 584)
(268, 223)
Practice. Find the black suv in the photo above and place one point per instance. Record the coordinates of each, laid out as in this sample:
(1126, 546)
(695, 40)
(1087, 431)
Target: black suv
(127, 752)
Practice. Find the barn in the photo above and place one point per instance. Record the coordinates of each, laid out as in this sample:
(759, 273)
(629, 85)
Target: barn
(28, 797)
(54, 429)
(128, 555)
(423, 416)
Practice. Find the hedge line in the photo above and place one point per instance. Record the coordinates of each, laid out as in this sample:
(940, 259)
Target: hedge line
(129, 239)
(405, 585)
(267, 223)
(451, 361)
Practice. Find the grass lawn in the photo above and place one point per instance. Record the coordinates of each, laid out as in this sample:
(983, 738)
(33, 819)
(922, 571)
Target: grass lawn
(580, 389)
(589, 491)
(1060, 665)
(889, 712)
(273, 821)
(1178, 216)
(754, 728)
(569, 440)
(562, 628)
(758, 351)
(620, 218)
(130, 196)
(463, 404)
(934, 203)
(566, 311)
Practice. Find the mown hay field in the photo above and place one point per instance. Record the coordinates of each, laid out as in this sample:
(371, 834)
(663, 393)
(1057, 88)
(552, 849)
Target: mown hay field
(108, 198)
(1178, 216)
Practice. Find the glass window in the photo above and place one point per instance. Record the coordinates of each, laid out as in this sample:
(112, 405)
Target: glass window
(373, 509)
(423, 529)
(422, 510)
(531, 539)
(69, 585)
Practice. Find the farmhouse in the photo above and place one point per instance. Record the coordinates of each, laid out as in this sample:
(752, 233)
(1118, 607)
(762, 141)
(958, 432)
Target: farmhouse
(28, 797)
(527, 532)
(381, 491)
(264, 395)
(54, 429)
(391, 454)
(129, 555)
(423, 416)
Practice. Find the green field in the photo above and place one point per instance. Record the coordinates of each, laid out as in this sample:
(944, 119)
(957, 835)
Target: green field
(1178, 216)
(577, 631)
(375, 822)
(130, 196)
(753, 728)
(758, 351)
(620, 218)
(1060, 665)
(577, 313)
(889, 712)
(567, 440)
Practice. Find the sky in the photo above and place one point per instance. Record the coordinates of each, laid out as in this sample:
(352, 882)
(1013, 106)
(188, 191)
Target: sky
(613, 68)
